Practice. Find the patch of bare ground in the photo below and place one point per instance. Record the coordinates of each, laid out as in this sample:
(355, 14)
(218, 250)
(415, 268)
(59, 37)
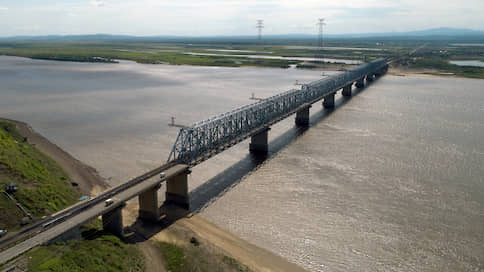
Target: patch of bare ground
(398, 71)
(204, 243)
(153, 257)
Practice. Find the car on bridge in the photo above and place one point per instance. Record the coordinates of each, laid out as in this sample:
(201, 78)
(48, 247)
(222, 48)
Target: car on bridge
(108, 202)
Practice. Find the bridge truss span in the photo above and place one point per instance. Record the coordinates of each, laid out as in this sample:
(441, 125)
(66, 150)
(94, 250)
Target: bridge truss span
(209, 137)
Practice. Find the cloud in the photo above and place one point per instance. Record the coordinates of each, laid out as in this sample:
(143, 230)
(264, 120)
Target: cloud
(97, 3)
(233, 17)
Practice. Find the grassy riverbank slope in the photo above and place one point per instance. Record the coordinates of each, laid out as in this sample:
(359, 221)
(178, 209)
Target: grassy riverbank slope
(104, 253)
(184, 244)
(44, 187)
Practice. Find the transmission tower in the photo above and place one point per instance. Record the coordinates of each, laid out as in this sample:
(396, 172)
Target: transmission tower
(321, 23)
(260, 26)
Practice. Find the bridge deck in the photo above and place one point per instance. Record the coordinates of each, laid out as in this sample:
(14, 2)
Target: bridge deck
(44, 236)
(209, 137)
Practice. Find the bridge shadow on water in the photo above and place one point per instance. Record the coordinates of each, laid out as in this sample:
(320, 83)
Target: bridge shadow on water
(216, 187)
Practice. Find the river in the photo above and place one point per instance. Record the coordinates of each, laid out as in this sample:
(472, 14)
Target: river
(391, 180)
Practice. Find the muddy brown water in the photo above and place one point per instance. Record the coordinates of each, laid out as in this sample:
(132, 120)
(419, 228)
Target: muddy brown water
(391, 180)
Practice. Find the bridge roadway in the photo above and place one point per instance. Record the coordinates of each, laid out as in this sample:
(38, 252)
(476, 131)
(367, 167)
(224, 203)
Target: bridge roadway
(209, 137)
(43, 236)
(193, 145)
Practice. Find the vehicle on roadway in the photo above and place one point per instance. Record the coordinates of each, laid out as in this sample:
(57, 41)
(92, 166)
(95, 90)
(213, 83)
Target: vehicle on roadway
(3, 232)
(162, 175)
(108, 202)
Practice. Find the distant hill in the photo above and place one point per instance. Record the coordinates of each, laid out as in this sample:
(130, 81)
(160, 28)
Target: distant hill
(443, 31)
(435, 32)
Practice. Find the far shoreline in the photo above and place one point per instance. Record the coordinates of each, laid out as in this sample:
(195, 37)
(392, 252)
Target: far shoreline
(328, 67)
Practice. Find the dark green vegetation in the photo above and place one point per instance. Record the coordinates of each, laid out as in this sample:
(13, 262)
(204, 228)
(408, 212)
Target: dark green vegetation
(434, 57)
(437, 58)
(194, 258)
(141, 53)
(103, 253)
(43, 186)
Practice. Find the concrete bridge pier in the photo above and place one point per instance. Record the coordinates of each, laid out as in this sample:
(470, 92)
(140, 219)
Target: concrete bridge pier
(113, 221)
(302, 117)
(259, 143)
(148, 205)
(328, 101)
(177, 190)
(346, 90)
(360, 83)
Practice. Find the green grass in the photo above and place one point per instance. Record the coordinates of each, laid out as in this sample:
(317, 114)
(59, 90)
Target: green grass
(442, 65)
(106, 253)
(99, 52)
(43, 186)
(197, 258)
(174, 257)
(435, 55)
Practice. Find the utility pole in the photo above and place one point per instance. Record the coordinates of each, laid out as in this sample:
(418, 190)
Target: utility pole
(321, 23)
(260, 26)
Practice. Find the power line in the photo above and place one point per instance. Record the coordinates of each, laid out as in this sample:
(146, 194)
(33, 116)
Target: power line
(260, 26)
(321, 23)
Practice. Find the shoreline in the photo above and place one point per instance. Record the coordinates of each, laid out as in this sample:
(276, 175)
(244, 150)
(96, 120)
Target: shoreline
(179, 231)
(88, 180)
(422, 73)
(180, 227)
(304, 65)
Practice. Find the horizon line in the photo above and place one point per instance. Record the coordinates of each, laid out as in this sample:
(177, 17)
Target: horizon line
(367, 34)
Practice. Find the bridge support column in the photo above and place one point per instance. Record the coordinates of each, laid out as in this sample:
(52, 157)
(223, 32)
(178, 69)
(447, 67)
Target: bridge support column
(302, 117)
(259, 142)
(360, 83)
(328, 101)
(346, 90)
(148, 205)
(113, 221)
(177, 190)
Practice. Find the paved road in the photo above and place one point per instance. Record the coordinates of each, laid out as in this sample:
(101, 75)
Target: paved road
(87, 214)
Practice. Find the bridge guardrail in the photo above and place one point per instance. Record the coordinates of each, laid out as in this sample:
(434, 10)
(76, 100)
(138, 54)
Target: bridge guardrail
(212, 135)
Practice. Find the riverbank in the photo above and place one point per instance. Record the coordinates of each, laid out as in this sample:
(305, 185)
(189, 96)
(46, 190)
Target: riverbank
(414, 72)
(170, 241)
(83, 176)
(198, 237)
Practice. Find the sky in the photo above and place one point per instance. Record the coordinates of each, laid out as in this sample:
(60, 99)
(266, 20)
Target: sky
(233, 17)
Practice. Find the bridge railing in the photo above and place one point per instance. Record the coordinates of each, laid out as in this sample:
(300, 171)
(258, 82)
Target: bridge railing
(211, 136)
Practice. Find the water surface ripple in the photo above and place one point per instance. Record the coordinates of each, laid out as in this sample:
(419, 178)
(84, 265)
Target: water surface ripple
(391, 180)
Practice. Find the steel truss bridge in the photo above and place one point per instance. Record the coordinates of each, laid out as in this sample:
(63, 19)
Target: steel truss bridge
(193, 145)
(209, 137)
